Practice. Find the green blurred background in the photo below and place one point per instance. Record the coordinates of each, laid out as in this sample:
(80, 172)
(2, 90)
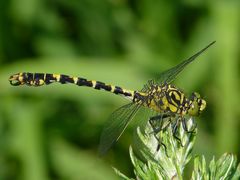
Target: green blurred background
(53, 132)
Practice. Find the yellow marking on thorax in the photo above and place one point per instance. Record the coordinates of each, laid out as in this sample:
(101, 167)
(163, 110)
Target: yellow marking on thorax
(165, 103)
(171, 87)
(176, 96)
(163, 107)
(159, 89)
(172, 108)
(152, 105)
(182, 97)
(142, 93)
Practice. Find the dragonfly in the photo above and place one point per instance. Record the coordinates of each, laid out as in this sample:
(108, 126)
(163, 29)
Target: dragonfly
(160, 96)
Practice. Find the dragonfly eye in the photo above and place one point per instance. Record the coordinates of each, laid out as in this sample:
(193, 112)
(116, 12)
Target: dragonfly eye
(193, 109)
(197, 105)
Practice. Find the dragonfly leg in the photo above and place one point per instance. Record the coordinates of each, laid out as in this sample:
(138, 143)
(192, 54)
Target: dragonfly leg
(157, 123)
(159, 127)
(165, 147)
(160, 143)
(174, 131)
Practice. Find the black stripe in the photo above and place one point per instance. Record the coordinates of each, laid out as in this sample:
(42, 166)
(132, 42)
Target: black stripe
(65, 79)
(170, 100)
(118, 90)
(84, 82)
(38, 76)
(29, 77)
(49, 79)
(199, 102)
(25, 77)
(178, 102)
(101, 85)
(138, 97)
(127, 94)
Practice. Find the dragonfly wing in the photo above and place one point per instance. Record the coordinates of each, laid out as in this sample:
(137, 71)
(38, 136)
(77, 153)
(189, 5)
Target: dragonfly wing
(115, 126)
(169, 75)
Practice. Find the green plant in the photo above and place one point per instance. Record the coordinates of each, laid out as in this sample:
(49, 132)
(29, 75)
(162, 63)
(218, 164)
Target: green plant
(151, 162)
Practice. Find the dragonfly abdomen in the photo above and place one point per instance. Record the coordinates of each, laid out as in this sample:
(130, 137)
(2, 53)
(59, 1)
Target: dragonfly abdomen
(39, 79)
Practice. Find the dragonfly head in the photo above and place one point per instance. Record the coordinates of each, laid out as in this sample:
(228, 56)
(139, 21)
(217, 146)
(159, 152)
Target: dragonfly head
(197, 104)
(17, 79)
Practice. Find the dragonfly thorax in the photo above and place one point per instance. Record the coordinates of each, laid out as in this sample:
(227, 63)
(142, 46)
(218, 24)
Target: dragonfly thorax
(166, 98)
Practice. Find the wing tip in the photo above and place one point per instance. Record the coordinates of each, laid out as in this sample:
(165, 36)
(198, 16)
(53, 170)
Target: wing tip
(105, 143)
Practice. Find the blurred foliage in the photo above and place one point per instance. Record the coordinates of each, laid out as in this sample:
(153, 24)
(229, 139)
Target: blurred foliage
(53, 132)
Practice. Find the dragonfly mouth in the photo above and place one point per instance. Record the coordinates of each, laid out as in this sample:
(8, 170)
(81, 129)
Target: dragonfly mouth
(15, 79)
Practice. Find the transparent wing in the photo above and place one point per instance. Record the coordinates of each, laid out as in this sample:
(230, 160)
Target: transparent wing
(115, 126)
(169, 75)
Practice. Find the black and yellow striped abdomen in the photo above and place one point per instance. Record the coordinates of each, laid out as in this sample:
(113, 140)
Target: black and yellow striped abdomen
(39, 79)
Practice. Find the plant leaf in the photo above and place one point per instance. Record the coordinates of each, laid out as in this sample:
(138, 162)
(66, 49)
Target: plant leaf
(225, 168)
(152, 161)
